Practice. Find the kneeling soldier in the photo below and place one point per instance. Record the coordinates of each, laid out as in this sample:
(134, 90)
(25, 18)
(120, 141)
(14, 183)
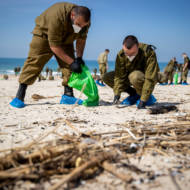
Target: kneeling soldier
(136, 72)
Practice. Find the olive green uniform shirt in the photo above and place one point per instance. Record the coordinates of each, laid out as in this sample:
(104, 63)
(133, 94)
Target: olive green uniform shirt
(171, 66)
(55, 22)
(145, 61)
(103, 58)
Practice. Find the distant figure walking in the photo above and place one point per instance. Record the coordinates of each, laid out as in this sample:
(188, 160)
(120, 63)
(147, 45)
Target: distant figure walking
(103, 63)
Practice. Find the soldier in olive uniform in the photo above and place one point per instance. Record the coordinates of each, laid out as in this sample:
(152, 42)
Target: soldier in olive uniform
(103, 63)
(55, 31)
(185, 68)
(180, 71)
(136, 65)
(170, 70)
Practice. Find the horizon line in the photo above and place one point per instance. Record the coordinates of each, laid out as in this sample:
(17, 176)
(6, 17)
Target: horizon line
(55, 59)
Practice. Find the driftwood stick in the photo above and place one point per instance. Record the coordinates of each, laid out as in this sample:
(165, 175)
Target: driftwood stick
(110, 132)
(16, 175)
(77, 132)
(174, 143)
(78, 171)
(111, 169)
(158, 150)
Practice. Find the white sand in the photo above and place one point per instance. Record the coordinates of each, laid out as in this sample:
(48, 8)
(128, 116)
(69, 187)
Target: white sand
(21, 126)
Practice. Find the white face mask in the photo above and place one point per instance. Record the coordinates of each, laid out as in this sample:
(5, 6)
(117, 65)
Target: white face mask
(76, 28)
(131, 58)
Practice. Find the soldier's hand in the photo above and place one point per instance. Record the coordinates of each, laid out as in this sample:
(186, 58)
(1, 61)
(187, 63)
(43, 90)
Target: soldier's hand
(76, 66)
(116, 99)
(141, 105)
(80, 61)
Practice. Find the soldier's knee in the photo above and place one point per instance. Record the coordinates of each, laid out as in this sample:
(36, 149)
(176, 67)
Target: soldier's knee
(108, 78)
(136, 77)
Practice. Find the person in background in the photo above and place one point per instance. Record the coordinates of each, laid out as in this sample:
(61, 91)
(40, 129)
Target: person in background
(55, 31)
(103, 64)
(47, 71)
(136, 72)
(170, 70)
(180, 71)
(185, 68)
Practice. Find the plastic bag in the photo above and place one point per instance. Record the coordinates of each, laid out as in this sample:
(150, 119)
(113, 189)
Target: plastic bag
(78, 80)
(176, 78)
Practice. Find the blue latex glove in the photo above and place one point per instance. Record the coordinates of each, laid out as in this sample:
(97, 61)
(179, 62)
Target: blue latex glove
(70, 100)
(130, 100)
(17, 103)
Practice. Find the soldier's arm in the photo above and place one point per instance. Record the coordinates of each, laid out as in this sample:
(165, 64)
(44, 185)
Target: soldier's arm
(61, 54)
(55, 35)
(120, 76)
(151, 72)
(80, 45)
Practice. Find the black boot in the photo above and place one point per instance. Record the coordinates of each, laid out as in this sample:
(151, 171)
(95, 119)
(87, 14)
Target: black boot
(21, 92)
(68, 91)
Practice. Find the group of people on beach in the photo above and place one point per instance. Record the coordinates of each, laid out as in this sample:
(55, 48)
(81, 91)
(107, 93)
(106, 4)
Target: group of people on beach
(136, 67)
(173, 69)
(174, 72)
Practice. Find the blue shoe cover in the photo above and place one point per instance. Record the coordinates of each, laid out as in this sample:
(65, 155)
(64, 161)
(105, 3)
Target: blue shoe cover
(130, 100)
(152, 100)
(171, 83)
(164, 83)
(184, 83)
(70, 100)
(17, 103)
(100, 84)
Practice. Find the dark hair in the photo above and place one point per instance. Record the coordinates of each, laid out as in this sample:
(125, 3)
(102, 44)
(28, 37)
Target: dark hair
(107, 50)
(83, 11)
(130, 41)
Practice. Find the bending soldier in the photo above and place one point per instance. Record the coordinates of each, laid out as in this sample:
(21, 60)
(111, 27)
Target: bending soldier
(55, 31)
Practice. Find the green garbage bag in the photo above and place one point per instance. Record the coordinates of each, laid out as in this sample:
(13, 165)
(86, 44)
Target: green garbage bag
(78, 80)
(176, 78)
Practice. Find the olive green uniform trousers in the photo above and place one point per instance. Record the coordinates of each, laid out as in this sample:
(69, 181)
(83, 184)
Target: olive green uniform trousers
(102, 69)
(135, 78)
(169, 76)
(39, 54)
(184, 75)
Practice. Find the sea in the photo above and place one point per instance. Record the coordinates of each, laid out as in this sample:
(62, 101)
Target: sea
(7, 65)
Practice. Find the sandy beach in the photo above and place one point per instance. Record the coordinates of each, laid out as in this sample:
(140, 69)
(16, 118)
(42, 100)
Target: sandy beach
(22, 126)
